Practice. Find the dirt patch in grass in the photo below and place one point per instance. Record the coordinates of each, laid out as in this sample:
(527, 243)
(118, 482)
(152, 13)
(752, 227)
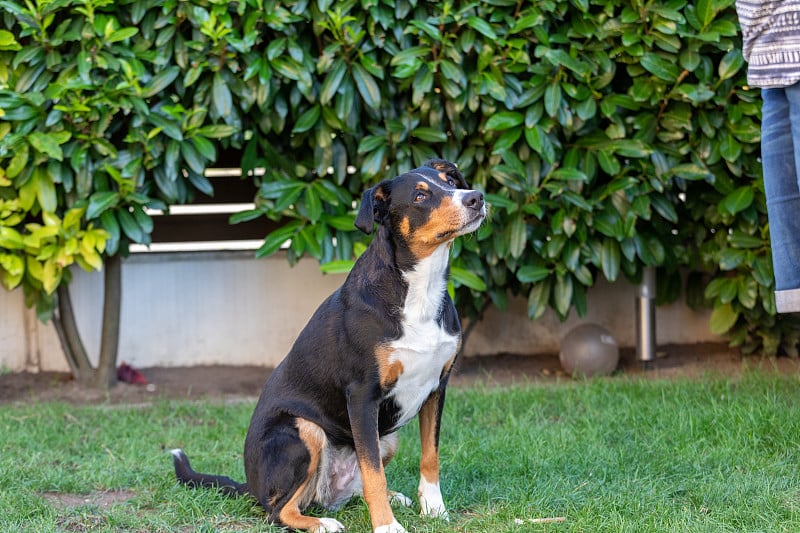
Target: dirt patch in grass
(98, 499)
(230, 383)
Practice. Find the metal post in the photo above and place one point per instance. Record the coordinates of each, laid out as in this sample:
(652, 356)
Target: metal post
(646, 316)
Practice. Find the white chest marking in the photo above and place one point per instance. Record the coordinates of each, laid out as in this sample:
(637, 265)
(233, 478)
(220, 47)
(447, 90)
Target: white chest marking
(425, 347)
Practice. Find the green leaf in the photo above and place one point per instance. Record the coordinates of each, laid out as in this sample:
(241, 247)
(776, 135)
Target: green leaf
(552, 99)
(504, 120)
(101, 201)
(18, 162)
(279, 188)
(558, 57)
(10, 239)
(245, 216)
(482, 27)
(47, 144)
(277, 238)
(723, 318)
(160, 81)
(332, 81)
(498, 201)
(538, 298)
(730, 64)
(312, 203)
(342, 266)
(660, 67)
(705, 12)
(222, 99)
(431, 135)
(608, 163)
(517, 236)
(739, 239)
(366, 86)
(204, 147)
(610, 259)
(307, 120)
(12, 268)
(170, 128)
(562, 294)
(729, 148)
(46, 191)
(469, 279)
(110, 224)
(532, 273)
(130, 227)
(122, 34)
(737, 200)
(217, 131)
(373, 163)
(7, 41)
(192, 157)
(51, 276)
(570, 174)
(691, 171)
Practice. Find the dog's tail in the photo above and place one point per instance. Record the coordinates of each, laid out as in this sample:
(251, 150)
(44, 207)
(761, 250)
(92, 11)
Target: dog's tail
(190, 478)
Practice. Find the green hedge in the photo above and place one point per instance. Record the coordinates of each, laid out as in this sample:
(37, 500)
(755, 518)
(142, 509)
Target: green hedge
(607, 134)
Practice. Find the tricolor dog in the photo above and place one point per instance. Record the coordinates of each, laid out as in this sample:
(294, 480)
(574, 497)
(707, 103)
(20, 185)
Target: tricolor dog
(375, 354)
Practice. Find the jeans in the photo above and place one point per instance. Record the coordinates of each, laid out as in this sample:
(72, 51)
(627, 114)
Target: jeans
(780, 156)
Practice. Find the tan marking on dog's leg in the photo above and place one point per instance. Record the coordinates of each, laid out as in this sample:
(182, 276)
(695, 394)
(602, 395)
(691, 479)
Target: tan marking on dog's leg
(429, 461)
(388, 371)
(376, 495)
(290, 515)
(430, 496)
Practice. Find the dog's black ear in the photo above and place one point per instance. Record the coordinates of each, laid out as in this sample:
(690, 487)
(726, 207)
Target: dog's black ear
(450, 169)
(374, 207)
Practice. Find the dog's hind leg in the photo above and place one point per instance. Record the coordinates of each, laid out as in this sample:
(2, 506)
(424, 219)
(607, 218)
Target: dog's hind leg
(293, 478)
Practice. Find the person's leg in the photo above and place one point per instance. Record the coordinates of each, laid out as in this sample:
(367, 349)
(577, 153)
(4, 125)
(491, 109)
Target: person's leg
(779, 160)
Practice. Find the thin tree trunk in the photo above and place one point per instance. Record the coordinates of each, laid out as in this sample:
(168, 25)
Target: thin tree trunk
(70, 337)
(66, 326)
(106, 375)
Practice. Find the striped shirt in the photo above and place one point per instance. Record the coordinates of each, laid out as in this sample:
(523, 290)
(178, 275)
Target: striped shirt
(770, 41)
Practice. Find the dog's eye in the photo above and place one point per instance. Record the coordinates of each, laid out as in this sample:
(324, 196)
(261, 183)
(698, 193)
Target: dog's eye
(420, 196)
(451, 182)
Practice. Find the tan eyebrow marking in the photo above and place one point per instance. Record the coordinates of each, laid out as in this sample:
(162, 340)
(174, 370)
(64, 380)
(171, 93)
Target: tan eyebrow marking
(429, 181)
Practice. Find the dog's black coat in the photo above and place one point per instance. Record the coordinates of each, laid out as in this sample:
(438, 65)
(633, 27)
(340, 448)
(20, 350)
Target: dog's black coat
(354, 371)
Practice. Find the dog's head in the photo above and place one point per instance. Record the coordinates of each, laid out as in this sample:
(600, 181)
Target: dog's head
(425, 207)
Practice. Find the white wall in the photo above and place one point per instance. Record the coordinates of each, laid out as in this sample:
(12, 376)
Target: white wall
(612, 305)
(229, 308)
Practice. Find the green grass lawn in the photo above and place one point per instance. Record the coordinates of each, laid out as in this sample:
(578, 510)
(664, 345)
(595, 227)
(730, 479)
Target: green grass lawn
(609, 455)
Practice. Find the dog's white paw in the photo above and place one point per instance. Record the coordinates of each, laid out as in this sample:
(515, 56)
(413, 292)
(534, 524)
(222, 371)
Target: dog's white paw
(397, 498)
(394, 527)
(328, 525)
(431, 502)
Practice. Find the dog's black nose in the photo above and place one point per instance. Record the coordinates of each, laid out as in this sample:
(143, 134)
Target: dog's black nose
(473, 200)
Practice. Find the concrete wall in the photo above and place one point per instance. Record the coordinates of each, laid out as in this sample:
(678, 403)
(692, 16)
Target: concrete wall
(229, 308)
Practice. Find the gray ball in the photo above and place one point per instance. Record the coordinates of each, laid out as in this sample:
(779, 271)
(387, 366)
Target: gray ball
(589, 350)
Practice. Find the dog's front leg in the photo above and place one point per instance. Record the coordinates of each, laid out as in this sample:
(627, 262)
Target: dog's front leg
(363, 412)
(430, 495)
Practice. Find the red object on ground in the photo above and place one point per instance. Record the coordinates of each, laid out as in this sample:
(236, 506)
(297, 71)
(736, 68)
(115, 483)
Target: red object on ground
(128, 374)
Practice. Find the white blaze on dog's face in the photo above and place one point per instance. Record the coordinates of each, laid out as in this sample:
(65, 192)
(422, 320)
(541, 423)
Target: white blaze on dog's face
(428, 210)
